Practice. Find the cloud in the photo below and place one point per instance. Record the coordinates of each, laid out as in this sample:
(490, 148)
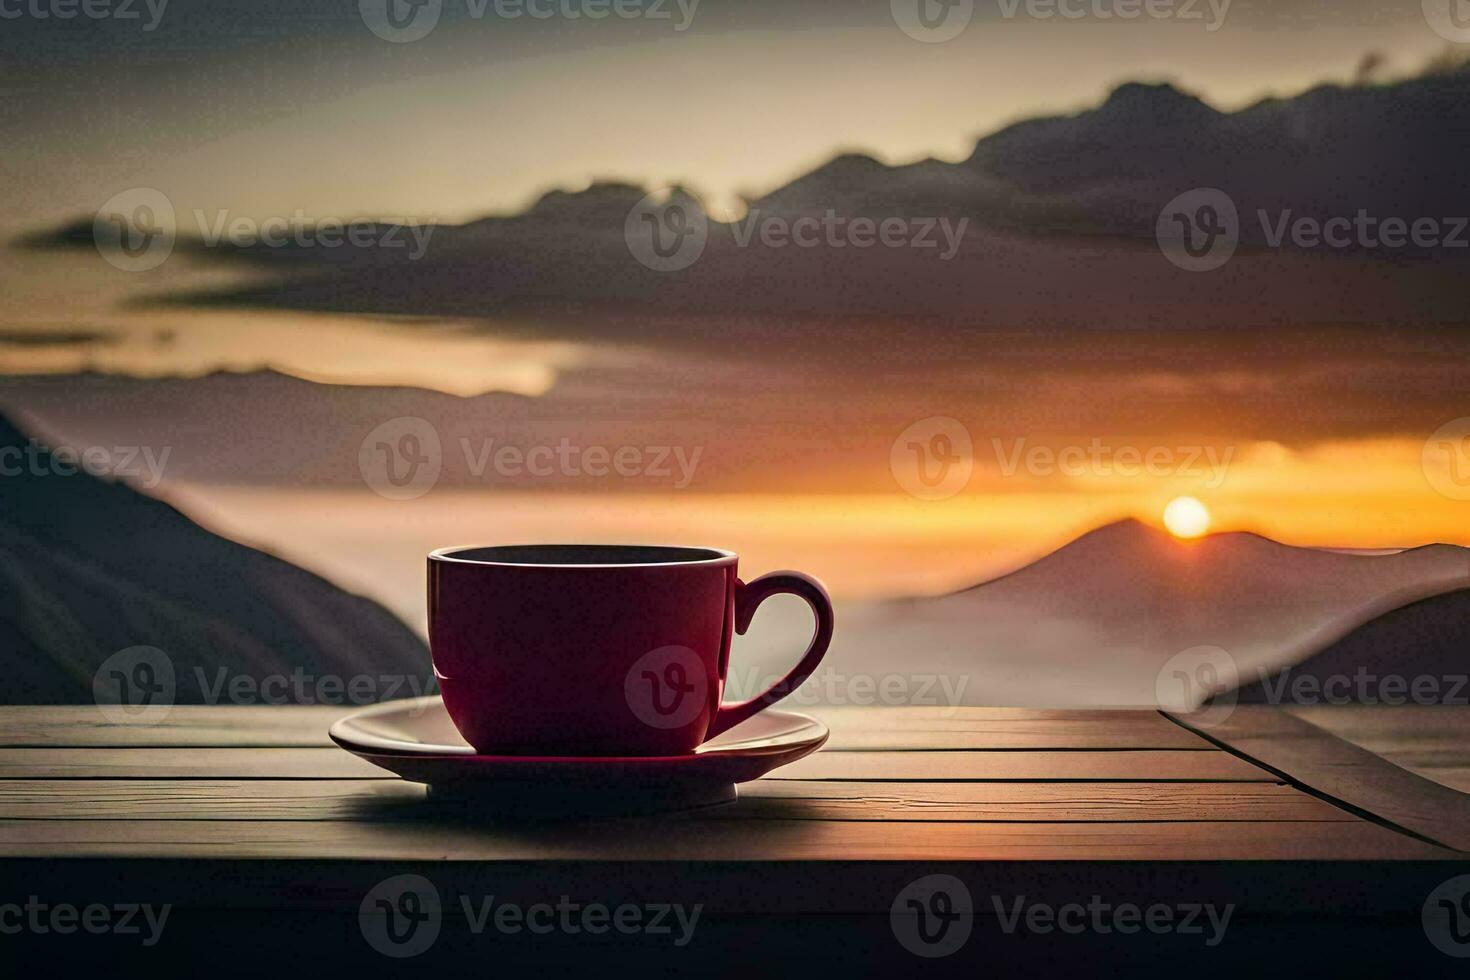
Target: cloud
(55, 337)
(1049, 224)
(1056, 315)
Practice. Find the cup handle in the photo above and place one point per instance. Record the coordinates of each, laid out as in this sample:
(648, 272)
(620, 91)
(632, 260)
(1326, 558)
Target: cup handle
(748, 597)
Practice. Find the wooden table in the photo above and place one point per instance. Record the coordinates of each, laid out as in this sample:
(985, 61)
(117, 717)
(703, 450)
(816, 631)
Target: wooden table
(252, 826)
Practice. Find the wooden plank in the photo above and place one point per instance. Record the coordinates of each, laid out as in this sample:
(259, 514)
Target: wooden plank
(1431, 740)
(378, 799)
(853, 727)
(1349, 773)
(710, 839)
(1394, 727)
(185, 725)
(333, 763)
(856, 729)
(1047, 766)
(165, 763)
(1037, 802)
(1456, 778)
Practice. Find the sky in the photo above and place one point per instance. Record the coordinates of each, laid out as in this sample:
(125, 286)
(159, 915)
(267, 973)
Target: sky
(278, 108)
(1318, 373)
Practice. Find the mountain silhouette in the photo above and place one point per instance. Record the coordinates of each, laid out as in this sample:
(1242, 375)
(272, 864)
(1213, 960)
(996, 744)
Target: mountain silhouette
(1094, 622)
(90, 567)
(1416, 654)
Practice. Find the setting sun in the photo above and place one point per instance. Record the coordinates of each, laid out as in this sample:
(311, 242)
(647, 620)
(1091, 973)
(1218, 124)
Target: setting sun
(1186, 517)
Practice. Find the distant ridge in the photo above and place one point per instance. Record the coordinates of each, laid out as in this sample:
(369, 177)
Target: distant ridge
(1096, 622)
(1418, 653)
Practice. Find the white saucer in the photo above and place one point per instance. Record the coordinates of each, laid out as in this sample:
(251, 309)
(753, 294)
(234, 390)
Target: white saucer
(416, 739)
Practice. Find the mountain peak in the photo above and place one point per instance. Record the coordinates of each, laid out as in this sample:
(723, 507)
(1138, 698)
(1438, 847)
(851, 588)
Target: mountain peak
(600, 199)
(1144, 103)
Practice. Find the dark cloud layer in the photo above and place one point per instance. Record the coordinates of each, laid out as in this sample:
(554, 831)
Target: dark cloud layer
(1050, 224)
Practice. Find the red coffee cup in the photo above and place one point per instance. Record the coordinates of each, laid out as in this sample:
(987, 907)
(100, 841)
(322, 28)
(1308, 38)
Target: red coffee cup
(568, 649)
